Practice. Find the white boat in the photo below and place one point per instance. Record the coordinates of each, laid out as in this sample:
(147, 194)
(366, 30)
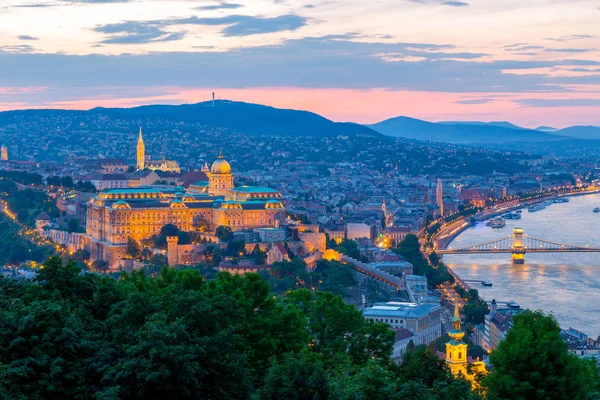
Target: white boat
(498, 223)
(512, 215)
(513, 304)
(536, 207)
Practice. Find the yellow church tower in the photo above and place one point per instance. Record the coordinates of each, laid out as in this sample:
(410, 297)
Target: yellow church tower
(456, 349)
(141, 152)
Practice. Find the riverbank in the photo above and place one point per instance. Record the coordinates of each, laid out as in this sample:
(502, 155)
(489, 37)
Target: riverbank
(565, 284)
(449, 232)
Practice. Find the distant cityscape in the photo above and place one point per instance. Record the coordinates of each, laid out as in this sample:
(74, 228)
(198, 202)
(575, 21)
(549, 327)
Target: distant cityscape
(122, 194)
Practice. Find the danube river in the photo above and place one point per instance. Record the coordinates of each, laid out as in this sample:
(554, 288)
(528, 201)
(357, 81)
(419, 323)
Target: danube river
(566, 284)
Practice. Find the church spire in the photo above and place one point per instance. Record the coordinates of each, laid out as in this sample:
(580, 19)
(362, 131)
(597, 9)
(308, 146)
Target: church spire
(141, 152)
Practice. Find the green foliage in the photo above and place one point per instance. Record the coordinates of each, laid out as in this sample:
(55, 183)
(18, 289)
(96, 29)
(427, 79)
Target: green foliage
(533, 362)
(475, 309)
(69, 335)
(25, 178)
(329, 276)
(410, 250)
(15, 248)
(224, 233)
(349, 248)
(29, 204)
(133, 250)
(73, 225)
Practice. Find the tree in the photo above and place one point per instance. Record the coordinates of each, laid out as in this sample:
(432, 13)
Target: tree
(296, 377)
(73, 225)
(224, 233)
(259, 256)
(533, 362)
(201, 224)
(349, 248)
(133, 249)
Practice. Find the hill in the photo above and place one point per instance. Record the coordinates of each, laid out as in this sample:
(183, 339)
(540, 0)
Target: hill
(503, 124)
(226, 115)
(580, 132)
(459, 132)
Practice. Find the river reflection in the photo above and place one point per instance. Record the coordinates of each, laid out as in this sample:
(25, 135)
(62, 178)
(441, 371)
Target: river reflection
(566, 284)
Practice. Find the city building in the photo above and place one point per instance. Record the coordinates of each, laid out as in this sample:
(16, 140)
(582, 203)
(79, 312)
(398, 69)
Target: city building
(497, 324)
(456, 352)
(114, 215)
(423, 320)
(394, 235)
(145, 162)
(4, 155)
(439, 197)
(110, 181)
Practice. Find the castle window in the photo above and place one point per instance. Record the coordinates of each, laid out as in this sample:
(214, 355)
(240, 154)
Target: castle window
(459, 355)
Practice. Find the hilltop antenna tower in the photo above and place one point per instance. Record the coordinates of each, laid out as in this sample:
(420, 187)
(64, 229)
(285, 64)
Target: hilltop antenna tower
(213, 94)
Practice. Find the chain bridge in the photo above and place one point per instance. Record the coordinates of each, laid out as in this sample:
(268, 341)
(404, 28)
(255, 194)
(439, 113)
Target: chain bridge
(518, 245)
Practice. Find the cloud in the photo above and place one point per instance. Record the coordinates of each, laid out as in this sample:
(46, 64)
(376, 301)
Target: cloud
(455, 4)
(475, 101)
(245, 25)
(19, 48)
(523, 47)
(309, 62)
(545, 103)
(570, 37)
(220, 6)
(567, 50)
(136, 32)
(27, 37)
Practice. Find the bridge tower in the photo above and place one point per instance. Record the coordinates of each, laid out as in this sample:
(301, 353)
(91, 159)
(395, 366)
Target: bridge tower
(518, 248)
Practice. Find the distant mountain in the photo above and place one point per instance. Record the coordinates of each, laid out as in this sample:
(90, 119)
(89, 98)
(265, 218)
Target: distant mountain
(580, 132)
(227, 115)
(459, 132)
(503, 124)
(546, 129)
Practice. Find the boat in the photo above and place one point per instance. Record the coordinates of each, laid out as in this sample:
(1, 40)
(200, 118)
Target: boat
(597, 209)
(498, 223)
(547, 203)
(489, 223)
(562, 200)
(512, 215)
(486, 283)
(513, 304)
(536, 207)
(519, 212)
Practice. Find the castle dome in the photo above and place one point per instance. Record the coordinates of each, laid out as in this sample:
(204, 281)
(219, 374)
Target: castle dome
(221, 166)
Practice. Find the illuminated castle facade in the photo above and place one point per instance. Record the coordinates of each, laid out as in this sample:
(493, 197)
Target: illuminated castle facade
(144, 162)
(115, 215)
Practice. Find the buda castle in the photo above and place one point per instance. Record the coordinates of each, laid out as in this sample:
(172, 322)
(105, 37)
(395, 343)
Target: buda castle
(114, 215)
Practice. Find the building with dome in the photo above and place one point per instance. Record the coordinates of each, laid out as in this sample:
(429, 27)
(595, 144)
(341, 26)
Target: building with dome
(456, 354)
(114, 215)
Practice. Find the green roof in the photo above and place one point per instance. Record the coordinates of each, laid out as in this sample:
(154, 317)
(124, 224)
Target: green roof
(254, 189)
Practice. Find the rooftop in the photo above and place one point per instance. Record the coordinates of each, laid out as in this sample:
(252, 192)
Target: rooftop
(253, 189)
(401, 310)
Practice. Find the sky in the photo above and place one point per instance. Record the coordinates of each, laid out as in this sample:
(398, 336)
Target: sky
(534, 62)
